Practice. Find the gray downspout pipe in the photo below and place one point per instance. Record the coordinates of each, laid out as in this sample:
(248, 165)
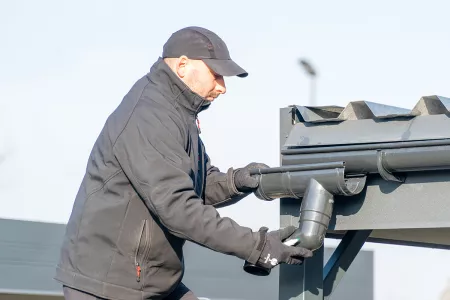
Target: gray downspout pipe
(316, 185)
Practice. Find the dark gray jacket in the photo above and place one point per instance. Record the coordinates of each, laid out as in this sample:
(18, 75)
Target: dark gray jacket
(149, 186)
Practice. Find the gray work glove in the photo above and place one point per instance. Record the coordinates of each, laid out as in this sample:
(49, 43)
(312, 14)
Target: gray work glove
(275, 252)
(243, 181)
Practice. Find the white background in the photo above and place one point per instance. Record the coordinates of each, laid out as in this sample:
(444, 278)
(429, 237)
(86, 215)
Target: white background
(65, 66)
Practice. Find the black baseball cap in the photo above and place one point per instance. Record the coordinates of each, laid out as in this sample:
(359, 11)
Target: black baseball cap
(201, 43)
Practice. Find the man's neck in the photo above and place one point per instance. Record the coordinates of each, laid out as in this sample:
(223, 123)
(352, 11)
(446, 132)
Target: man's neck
(177, 90)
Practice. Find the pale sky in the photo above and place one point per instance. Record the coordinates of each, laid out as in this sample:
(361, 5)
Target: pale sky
(64, 66)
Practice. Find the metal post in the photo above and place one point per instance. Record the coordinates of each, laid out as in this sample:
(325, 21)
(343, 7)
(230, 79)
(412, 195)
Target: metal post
(304, 282)
(294, 279)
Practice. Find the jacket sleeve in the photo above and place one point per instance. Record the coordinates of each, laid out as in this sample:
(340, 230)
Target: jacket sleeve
(220, 189)
(151, 153)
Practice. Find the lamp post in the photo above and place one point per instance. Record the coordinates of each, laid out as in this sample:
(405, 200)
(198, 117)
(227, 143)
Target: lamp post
(312, 73)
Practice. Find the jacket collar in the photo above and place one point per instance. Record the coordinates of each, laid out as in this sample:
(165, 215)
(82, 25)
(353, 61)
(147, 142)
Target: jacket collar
(175, 90)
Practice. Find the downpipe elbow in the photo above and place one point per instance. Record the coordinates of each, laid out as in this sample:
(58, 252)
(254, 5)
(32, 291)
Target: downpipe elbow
(315, 214)
(316, 185)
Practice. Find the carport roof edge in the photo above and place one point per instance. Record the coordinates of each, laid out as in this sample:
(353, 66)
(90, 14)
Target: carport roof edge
(363, 122)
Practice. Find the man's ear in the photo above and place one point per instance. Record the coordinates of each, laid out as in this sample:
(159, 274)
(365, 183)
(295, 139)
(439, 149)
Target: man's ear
(181, 66)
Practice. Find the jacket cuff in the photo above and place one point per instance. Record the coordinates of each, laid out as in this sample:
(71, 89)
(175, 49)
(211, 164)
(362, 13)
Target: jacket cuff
(259, 246)
(230, 181)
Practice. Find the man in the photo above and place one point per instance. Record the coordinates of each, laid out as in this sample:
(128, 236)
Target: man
(150, 185)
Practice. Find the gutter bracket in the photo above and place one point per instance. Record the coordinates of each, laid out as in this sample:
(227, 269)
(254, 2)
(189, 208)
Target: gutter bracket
(383, 171)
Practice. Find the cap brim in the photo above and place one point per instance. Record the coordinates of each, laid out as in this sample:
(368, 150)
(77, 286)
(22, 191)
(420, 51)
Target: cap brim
(225, 67)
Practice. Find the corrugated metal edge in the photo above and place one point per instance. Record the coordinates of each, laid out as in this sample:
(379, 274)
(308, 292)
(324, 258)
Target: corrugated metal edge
(32, 292)
(357, 110)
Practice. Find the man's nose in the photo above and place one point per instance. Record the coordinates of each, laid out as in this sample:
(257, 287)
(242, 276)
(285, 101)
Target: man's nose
(220, 86)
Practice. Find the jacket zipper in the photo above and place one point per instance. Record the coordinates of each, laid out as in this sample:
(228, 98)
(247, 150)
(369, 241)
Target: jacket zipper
(147, 241)
(200, 157)
(201, 165)
(198, 124)
(144, 233)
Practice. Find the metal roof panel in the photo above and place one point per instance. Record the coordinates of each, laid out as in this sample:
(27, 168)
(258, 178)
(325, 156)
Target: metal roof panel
(362, 109)
(370, 122)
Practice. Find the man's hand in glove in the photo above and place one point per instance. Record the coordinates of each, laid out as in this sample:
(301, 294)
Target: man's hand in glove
(275, 252)
(243, 181)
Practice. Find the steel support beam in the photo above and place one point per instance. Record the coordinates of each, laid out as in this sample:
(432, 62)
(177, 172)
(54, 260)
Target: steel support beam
(313, 280)
(341, 259)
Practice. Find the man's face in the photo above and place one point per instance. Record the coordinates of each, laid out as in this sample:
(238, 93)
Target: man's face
(200, 78)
